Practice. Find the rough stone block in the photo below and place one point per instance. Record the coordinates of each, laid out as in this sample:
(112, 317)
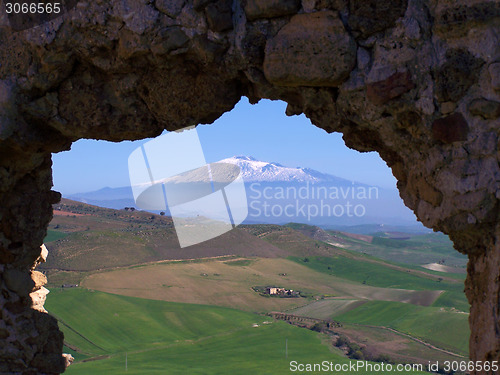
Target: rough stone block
(68, 359)
(169, 40)
(457, 75)
(331, 4)
(170, 7)
(382, 91)
(18, 281)
(487, 109)
(255, 9)
(44, 253)
(449, 129)
(136, 15)
(313, 49)
(448, 107)
(49, 363)
(200, 4)
(39, 279)
(220, 15)
(371, 16)
(494, 70)
(38, 299)
(429, 193)
(459, 19)
(4, 334)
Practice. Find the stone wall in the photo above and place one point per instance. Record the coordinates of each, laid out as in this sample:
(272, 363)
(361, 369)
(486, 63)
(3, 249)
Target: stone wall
(416, 80)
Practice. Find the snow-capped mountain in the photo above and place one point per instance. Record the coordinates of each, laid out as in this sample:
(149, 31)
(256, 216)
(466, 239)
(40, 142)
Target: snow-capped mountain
(253, 170)
(279, 194)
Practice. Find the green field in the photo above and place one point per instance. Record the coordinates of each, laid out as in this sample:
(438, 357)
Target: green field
(327, 308)
(169, 308)
(103, 323)
(378, 275)
(53, 235)
(170, 338)
(374, 274)
(239, 262)
(453, 299)
(439, 326)
(418, 250)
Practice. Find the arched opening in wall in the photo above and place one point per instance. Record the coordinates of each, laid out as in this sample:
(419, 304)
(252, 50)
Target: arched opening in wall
(322, 242)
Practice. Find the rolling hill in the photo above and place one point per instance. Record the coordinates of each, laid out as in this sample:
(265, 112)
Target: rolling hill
(168, 338)
(415, 249)
(134, 254)
(117, 333)
(83, 237)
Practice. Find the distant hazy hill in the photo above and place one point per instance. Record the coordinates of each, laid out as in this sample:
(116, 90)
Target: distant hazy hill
(116, 198)
(394, 246)
(85, 237)
(279, 194)
(379, 228)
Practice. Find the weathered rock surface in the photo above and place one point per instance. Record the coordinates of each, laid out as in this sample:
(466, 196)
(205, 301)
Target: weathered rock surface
(487, 109)
(456, 75)
(270, 8)
(449, 129)
(317, 41)
(371, 16)
(220, 15)
(416, 80)
(382, 91)
(171, 8)
(38, 298)
(458, 18)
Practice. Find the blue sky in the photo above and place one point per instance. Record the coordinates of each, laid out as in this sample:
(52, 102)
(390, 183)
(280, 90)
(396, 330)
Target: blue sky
(262, 131)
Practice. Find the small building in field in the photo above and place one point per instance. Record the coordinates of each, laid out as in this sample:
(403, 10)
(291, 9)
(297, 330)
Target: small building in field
(273, 290)
(276, 291)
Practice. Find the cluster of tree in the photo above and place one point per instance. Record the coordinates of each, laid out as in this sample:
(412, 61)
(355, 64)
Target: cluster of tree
(354, 351)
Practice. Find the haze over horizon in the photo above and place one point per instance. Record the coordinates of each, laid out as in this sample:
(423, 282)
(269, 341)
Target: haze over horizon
(274, 194)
